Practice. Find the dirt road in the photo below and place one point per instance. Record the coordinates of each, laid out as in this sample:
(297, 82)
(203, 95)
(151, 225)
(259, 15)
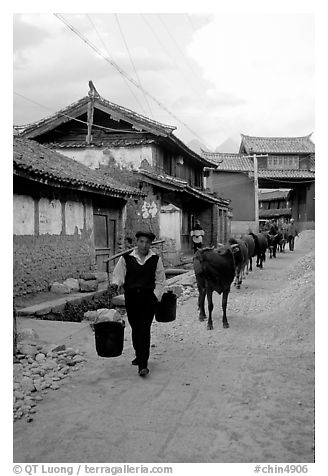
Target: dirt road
(243, 394)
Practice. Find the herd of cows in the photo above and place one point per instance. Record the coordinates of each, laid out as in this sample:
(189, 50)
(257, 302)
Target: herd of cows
(217, 268)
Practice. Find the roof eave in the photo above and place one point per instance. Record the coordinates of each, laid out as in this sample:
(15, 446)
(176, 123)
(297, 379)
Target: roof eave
(39, 177)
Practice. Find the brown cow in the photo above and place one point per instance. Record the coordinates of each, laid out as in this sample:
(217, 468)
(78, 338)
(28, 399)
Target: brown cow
(215, 271)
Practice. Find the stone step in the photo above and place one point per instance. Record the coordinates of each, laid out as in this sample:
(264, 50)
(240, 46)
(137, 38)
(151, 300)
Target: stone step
(56, 306)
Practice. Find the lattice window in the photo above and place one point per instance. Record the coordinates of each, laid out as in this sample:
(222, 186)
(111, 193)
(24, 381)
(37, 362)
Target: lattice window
(283, 162)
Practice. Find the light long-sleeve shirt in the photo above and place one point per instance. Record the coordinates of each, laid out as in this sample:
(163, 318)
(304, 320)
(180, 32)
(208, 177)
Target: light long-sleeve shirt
(119, 272)
(197, 236)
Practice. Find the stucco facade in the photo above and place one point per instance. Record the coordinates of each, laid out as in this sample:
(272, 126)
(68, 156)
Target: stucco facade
(97, 157)
(240, 190)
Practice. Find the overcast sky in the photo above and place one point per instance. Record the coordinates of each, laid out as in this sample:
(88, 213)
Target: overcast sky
(219, 73)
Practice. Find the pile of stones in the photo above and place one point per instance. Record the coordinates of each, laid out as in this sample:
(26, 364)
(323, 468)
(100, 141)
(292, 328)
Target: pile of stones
(37, 369)
(88, 282)
(183, 286)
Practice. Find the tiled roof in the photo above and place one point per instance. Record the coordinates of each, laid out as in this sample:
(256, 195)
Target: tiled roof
(102, 142)
(182, 186)
(279, 145)
(285, 174)
(275, 212)
(229, 162)
(226, 162)
(42, 163)
(275, 195)
(77, 108)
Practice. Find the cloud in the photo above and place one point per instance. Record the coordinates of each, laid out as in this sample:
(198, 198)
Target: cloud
(26, 36)
(221, 75)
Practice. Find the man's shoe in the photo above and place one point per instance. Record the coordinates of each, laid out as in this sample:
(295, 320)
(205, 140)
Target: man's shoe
(135, 361)
(143, 372)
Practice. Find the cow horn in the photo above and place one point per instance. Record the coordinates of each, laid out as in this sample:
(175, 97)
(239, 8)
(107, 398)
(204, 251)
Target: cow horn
(234, 246)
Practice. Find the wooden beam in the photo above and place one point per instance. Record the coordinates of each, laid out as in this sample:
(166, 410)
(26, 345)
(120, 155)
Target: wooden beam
(91, 108)
(128, 251)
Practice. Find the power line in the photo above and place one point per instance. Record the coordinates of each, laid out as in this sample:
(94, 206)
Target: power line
(107, 51)
(170, 56)
(131, 61)
(123, 73)
(78, 120)
(191, 23)
(177, 46)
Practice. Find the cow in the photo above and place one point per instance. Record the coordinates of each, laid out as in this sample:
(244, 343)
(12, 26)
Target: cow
(215, 271)
(273, 240)
(241, 259)
(261, 244)
(250, 242)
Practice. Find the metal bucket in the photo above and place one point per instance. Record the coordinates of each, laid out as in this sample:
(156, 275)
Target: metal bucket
(166, 309)
(109, 337)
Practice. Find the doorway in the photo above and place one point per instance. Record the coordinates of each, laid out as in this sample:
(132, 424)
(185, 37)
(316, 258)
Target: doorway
(105, 239)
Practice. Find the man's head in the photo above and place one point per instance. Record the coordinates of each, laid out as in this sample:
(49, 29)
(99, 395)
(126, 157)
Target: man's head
(144, 241)
(292, 220)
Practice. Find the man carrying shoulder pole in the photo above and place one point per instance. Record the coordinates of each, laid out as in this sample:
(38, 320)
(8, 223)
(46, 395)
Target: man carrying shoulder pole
(141, 272)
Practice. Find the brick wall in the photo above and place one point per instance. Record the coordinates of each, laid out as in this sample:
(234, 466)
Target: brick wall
(41, 260)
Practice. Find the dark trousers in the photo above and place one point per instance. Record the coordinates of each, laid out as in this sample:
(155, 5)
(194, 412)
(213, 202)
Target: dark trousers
(291, 240)
(140, 308)
(196, 246)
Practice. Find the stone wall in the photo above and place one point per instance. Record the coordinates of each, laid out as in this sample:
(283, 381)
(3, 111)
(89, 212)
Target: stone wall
(54, 235)
(40, 260)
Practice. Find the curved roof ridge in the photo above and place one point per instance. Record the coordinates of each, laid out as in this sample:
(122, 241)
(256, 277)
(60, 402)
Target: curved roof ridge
(308, 136)
(61, 112)
(137, 114)
(85, 99)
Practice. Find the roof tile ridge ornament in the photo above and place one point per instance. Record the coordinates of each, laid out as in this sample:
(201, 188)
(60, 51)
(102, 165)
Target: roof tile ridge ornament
(93, 93)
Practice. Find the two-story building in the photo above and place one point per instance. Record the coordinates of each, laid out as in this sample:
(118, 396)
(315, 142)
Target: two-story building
(275, 204)
(283, 162)
(99, 133)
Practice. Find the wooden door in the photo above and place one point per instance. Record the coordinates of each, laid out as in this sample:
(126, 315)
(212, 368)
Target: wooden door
(105, 239)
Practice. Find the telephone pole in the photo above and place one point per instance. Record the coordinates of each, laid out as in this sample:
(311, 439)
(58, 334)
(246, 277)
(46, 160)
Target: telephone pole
(256, 193)
(256, 187)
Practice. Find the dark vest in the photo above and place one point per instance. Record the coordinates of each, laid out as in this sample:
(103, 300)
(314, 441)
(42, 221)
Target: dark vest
(140, 276)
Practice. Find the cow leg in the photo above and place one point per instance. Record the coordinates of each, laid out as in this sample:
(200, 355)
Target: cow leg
(224, 308)
(209, 294)
(251, 264)
(239, 278)
(261, 261)
(201, 301)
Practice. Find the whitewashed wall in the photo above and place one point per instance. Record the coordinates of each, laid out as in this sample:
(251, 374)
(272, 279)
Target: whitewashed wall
(170, 224)
(128, 156)
(23, 215)
(74, 217)
(50, 217)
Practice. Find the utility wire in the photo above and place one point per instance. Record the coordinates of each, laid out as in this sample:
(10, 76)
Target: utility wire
(123, 73)
(170, 56)
(75, 119)
(107, 51)
(177, 46)
(191, 23)
(131, 61)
